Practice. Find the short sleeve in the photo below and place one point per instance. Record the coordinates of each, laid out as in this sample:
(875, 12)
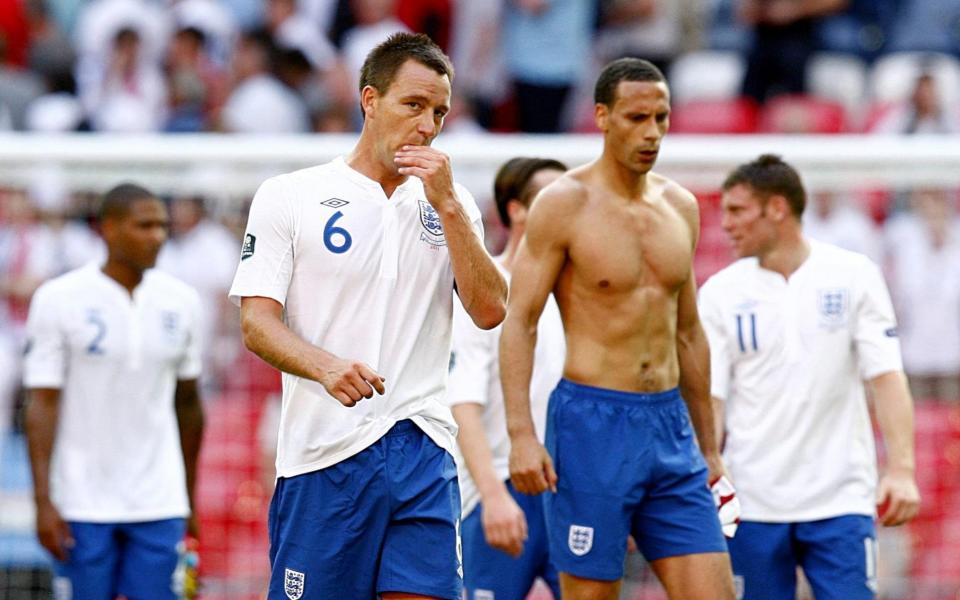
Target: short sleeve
(711, 317)
(266, 257)
(191, 363)
(472, 356)
(875, 334)
(473, 211)
(45, 362)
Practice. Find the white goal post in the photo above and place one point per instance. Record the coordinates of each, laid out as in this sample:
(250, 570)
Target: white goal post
(227, 167)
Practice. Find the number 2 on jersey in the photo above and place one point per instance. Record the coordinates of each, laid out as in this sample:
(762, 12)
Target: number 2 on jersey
(330, 230)
(96, 320)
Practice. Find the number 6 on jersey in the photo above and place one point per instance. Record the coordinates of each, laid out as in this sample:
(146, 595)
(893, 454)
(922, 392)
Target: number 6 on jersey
(330, 230)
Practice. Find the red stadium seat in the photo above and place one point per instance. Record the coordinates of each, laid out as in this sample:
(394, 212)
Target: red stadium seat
(714, 116)
(802, 114)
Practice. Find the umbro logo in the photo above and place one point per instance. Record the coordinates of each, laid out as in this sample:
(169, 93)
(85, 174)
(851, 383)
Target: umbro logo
(335, 202)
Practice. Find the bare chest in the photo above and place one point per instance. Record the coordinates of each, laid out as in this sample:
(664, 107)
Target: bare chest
(622, 248)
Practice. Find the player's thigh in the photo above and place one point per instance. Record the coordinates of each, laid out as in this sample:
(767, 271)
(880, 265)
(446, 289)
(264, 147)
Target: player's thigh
(677, 515)
(587, 518)
(422, 553)
(90, 571)
(839, 557)
(149, 559)
(705, 576)
(579, 588)
(490, 573)
(538, 543)
(326, 530)
(764, 561)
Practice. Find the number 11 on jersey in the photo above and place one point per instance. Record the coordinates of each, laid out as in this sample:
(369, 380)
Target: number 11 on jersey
(747, 338)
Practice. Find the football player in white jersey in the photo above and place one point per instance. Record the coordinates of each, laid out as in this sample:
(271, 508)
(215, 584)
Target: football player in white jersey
(796, 327)
(114, 421)
(345, 284)
(504, 534)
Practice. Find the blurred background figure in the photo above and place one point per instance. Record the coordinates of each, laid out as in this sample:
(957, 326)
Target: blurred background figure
(25, 262)
(203, 253)
(784, 39)
(924, 112)
(652, 29)
(129, 94)
(198, 86)
(832, 218)
(259, 102)
(18, 87)
(546, 48)
(923, 250)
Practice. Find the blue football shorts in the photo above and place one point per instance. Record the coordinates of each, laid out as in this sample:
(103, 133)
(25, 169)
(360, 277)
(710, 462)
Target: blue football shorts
(491, 574)
(627, 463)
(384, 520)
(838, 557)
(136, 560)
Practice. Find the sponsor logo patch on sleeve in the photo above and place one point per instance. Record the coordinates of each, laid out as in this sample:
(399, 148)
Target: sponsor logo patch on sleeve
(249, 246)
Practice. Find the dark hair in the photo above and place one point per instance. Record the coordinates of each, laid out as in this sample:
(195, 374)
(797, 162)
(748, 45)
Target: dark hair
(195, 34)
(767, 176)
(116, 203)
(623, 69)
(513, 182)
(382, 63)
(126, 35)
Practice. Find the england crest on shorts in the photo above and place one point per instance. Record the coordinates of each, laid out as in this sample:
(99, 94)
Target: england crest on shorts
(580, 539)
(432, 228)
(833, 305)
(293, 583)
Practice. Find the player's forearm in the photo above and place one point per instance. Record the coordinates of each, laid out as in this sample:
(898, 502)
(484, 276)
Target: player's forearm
(274, 342)
(475, 448)
(42, 415)
(694, 358)
(720, 429)
(894, 409)
(481, 287)
(190, 421)
(517, 342)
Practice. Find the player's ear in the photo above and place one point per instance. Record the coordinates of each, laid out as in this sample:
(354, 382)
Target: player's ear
(517, 212)
(368, 98)
(779, 207)
(108, 228)
(601, 114)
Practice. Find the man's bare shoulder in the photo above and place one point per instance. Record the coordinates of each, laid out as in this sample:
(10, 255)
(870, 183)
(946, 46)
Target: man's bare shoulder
(563, 198)
(679, 197)
(674, 193)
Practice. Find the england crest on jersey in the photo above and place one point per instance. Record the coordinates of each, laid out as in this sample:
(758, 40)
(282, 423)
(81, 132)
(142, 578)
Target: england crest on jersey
(293, 583)
(432, 228)
(580, 539)
(833, 305)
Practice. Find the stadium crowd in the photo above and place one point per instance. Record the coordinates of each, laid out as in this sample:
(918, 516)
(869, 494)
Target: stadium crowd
(282, 66)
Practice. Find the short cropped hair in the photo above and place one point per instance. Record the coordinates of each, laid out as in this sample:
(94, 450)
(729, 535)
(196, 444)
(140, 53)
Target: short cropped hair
(116, 203)
(382, 63)
(624, 69)
(768, 176)
(513, 182)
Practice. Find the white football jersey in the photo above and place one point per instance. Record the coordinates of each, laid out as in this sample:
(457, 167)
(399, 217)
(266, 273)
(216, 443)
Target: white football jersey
(116, 360)
(788, 359)
(366, 278)
(475, 378)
